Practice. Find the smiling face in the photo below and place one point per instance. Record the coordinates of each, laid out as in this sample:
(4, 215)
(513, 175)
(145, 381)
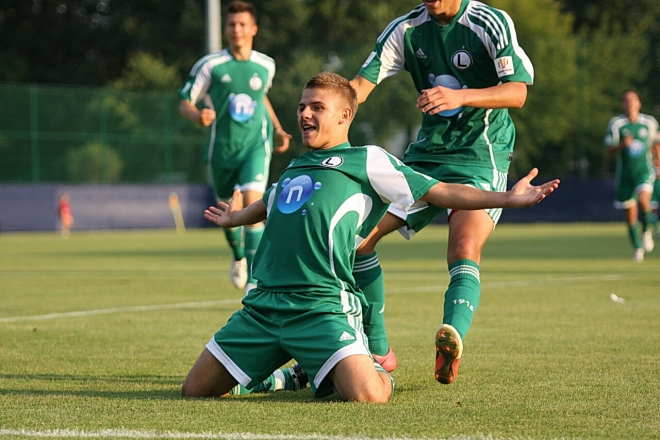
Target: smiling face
(324, 118)
(240, 29)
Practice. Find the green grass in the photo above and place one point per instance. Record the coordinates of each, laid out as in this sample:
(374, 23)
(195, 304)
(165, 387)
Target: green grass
(549, 354)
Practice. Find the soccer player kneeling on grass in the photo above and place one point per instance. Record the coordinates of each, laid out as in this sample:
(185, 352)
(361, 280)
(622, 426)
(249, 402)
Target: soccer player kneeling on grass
(306, 304)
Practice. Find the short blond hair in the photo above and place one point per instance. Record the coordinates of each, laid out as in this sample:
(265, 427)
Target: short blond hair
(336, 84)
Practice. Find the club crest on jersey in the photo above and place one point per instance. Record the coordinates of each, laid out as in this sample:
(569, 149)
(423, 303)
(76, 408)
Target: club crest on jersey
(256, 82)
(642, 132)
(332, 162)
(295, 192)
(462, 60)
(241, 107)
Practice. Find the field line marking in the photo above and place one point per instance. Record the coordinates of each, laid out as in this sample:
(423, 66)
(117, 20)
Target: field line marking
(192, 305)
(517, 283)
(138, 434)
(188, 305)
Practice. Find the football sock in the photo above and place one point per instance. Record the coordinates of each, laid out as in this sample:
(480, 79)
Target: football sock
(646, 220)
(462, 295)
(633, 233)
(380, 369)
(280, 380)
(235, 240)
(252, 238)
(654, 222)
(369, 277)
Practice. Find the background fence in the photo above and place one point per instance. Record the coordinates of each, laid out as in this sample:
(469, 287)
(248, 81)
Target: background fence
(95, 135)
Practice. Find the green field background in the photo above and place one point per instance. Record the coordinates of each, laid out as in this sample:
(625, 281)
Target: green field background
(549, 355)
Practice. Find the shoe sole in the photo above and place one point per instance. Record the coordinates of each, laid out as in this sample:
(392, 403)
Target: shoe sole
(448, 350)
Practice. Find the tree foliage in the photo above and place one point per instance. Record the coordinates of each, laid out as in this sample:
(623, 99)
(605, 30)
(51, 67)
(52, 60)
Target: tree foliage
(584, 53)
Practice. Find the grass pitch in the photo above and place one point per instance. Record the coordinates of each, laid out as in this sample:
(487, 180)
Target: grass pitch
(98, 331)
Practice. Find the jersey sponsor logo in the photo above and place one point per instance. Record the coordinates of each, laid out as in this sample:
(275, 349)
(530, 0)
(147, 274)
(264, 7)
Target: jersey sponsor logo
(636, 149)
(256, 82)
(419, 53)
(332, 162)
(295, 192)
(241, 107)
(451, 83)
(225, 78)
(346, 337)
(504, 66)
(462, 60)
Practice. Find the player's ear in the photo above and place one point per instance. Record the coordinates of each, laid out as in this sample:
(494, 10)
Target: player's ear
(346, 115)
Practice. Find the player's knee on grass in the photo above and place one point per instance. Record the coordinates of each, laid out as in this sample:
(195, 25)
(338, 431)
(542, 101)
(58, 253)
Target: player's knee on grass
(355, 378)
(207, 378)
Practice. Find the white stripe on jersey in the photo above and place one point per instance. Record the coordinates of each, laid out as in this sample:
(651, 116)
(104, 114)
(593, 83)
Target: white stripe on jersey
(485, 136)
(398, 21)
(486, 14)
(201, 71)
(615, 126)
(517, 49)
(359, 203)
(388, 182)
(392, 55)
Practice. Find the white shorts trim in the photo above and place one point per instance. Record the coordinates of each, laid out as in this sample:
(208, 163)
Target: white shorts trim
(355, 348)
(233, 369)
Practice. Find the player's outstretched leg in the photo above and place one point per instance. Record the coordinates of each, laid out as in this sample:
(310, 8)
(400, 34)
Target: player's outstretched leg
(238, 268)
(448, 351)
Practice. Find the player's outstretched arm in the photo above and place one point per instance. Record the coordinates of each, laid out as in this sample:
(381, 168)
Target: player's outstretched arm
(231, 215)
(457, 196)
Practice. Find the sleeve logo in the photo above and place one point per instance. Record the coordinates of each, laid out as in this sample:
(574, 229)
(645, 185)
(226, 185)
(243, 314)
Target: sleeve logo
(504, 66)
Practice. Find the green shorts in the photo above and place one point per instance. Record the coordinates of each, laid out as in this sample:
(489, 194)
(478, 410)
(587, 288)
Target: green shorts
(629, 187)
(250, 175)
(421, 213)
(316, 329)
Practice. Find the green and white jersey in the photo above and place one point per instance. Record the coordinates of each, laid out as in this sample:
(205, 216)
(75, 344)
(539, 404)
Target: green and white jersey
(323, 206)
(478, 49)
(637, 159)
(235, 90)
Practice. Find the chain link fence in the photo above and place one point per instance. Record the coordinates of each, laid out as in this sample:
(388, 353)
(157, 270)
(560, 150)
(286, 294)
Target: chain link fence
(71, 134)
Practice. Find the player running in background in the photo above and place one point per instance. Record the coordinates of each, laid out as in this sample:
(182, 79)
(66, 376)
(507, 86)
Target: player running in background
(306, 304)
(630, 136)
(655, 198)
(468, 68)
(232, 85)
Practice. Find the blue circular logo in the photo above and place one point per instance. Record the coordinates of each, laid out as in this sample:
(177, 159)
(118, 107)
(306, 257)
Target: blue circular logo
(295, 193)
(241, 107)
(451, 83)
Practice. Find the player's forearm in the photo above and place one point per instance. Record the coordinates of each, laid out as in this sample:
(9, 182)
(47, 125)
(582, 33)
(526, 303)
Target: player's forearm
(189, 111)
(457, 196)
(363, 87)
(254, 213)
(507, 95)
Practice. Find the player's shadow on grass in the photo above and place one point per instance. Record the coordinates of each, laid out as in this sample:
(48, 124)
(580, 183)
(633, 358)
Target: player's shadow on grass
(119, 387)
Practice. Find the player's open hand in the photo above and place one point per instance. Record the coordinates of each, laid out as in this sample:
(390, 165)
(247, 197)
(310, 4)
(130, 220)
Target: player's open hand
(524, 193)
(222, 214)
(282, 139)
